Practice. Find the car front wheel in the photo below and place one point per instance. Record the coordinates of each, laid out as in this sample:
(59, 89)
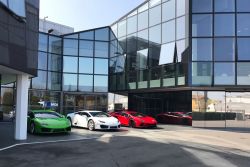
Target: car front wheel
(91, 125)
(32, 128)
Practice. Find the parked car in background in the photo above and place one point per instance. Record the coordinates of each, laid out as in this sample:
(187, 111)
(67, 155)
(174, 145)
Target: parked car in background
(179, 118)
(47, 121)
(134, 119)
(93, 120)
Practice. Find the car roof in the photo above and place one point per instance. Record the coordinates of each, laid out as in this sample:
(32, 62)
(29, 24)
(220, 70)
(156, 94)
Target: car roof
(89, 111)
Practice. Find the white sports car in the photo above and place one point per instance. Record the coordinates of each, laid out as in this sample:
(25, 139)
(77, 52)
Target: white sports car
(93, 120)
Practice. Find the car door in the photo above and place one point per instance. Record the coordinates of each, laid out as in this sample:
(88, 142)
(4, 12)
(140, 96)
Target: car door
(84, 119)
(124, 119)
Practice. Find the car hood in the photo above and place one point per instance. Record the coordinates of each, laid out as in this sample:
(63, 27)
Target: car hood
(107, 119)
(53, 122)
(147, 119)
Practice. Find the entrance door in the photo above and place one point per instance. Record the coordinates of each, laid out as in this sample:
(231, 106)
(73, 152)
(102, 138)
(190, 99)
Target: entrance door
(238, 109)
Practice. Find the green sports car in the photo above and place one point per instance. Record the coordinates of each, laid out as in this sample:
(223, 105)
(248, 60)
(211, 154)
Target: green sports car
(47, 121)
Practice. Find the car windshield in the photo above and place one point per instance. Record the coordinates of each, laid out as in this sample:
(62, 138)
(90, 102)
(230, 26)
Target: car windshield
(138, 114)
(47, 115)
(99, 114)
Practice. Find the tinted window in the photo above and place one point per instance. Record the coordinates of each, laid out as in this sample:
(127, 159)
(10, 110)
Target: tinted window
(243, 25)
(155, 15)
(42, 60)
(101, 66)
(243, 5)
(39, 82)
(55, 45)
(202, 25)
(54, 62)
(122, 30)
(70, 64)
(87, 35)
(168, 31)
(243, 73)
(202, 73)
(69, 82)
(224, 5)
(202, 49)
(224, 49)
(54, 80)
(85, 83)
(102, 34)
(86, 48)
(224, 73)
(168, 10)
(243, 48)
(101, 49)
(132, 24)
(47, 115)
(200, 6)
(43, 41)
(224, 25)
(70, 47)
(143, 20)
(101, 83)
(86, 65)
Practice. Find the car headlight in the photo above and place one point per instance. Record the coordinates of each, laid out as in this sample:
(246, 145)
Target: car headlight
(101, 121)
(44, 124)
(142, 121)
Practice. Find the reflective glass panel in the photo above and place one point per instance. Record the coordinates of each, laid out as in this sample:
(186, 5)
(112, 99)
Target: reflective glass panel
(243, 73)
(181, 28)
(101, 49)
(55, 62)
(85, 83)
(86, 65)
(224, 49)
(42, 60)
(243, 48)
(86, 48)
(168, 31)
(54, 81)
(102, 34)
(200, 6)
(181, 7)
(155, 35)
(202, 25)
(202, 49)
(182, 45)
(18, 7)
(154, 3)
(224, 73)
(224, 5)
(142, 41)
(70, 64)
(154, 15)
(122, 30)
(168, 10)
(43, 41)
(224, 24)
(55, 45)
(143, 8)
(69, 82)
(87, 35)
(39, 82)
(70, 47)
(141, 59)
(143, 20)
(202, 73)
(243, 5)
(243, 24)
(114, 29)
(142, 79)
(101, 66)
(100, 83)
(132, 24)
(167, 53)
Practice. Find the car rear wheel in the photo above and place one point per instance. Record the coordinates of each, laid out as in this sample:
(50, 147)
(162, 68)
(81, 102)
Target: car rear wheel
(32, 128)
(91, 125)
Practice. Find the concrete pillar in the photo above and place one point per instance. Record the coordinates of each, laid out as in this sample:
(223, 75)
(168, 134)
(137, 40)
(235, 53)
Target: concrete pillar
(21, 107)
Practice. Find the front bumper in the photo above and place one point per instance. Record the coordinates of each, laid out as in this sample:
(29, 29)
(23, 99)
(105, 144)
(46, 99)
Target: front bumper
(53, 130)
(105, 126)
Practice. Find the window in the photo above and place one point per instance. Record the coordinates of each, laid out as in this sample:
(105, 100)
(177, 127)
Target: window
(86, 65)
(54, 81)
(102, 34)
(55, 45)
(243, 73)
(155, 15)
(101, 66)
(43, 41)
(143, 20)
(87, 35)
(224, 49)
(181, 28)
(18, 7)
(224, 5)
(202, 49)
(202, 73)
(168, 31)
(243, 48)
(142, 42)
(155, 35)
(39, 82)
(200, 6)
(202, 25)
(70, 47)
(69, 82)
(132, 24)
(86, 48)
(141, 59)
(224, 73)
(42, 60)
(122, 28)
(153, 3)
(243, 6)
(243, 24)
(85, 83)
(224, 24)
(182, 45)
(167, 53)
(55, 62)
(181, 7)
(168, 10)
(101, 83)
(142, 79)
(70, 64)
(101, 49)
(143, 8)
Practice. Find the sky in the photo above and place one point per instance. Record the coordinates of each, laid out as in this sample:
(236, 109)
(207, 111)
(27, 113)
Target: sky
(86, 14)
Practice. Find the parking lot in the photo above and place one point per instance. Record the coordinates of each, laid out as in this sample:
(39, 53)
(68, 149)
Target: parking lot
(166, 145)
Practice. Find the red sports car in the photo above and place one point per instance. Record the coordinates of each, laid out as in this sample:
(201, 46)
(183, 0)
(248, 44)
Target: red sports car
(179, 118)
(134, 119)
